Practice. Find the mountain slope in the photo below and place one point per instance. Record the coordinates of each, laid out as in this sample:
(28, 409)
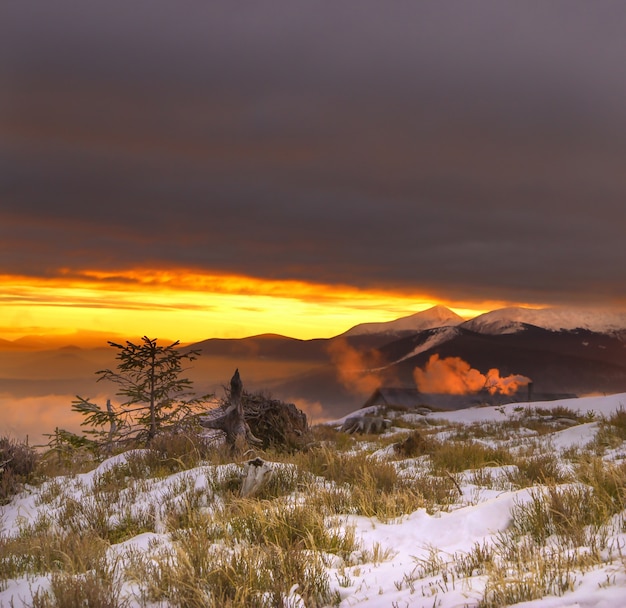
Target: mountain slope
(578, 361)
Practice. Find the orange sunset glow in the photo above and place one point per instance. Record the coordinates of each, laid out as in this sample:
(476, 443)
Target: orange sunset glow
(190, 306)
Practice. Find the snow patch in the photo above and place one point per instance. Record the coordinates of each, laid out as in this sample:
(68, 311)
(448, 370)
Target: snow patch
(439, 336)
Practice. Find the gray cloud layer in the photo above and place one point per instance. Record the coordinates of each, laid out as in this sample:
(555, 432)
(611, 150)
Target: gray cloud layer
(473, 149)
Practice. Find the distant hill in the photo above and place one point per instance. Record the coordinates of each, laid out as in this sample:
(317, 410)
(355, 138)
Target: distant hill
(562, 351)
(268, 346)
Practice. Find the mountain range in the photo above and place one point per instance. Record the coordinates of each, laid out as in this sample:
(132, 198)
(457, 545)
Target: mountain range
(559, 351)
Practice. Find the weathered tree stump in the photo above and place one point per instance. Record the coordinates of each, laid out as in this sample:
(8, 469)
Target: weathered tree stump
(257, 420)
(365, 424)
(232, 421)
(412, 445)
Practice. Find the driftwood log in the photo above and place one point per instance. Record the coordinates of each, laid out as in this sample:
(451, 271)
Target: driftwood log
(233, 421)
(365, 424)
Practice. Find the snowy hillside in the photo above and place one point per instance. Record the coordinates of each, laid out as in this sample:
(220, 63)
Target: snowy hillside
(438, 316)
(510, 320)
(522, 504)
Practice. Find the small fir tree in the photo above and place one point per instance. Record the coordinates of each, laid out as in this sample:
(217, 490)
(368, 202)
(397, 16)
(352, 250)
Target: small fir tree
(156, 397)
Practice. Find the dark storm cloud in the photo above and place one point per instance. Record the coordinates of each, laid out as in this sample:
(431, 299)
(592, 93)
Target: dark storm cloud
(470, 149)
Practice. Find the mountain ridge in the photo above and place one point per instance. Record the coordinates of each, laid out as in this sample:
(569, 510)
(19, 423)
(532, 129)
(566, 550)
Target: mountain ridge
(327, 377)
(501, 320)
(512, 319)
(437, 316)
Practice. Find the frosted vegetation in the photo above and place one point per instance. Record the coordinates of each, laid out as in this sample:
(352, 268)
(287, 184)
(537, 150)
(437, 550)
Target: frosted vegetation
(481, 508)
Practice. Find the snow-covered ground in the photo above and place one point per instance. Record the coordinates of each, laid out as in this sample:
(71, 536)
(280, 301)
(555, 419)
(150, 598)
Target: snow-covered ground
(448, 533)
(404, 576)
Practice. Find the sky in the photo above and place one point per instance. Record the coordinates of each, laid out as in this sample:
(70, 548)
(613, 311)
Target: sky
(233, 168)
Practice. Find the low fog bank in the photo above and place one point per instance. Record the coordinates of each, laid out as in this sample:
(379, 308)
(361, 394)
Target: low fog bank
(31, 418)
(37, 388)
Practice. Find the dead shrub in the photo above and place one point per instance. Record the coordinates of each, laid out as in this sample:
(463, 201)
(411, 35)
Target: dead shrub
(277, 424)
(413, 445)
(18, 462)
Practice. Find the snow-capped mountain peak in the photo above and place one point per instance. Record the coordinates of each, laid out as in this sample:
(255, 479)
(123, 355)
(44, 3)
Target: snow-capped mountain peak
(437, 316)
